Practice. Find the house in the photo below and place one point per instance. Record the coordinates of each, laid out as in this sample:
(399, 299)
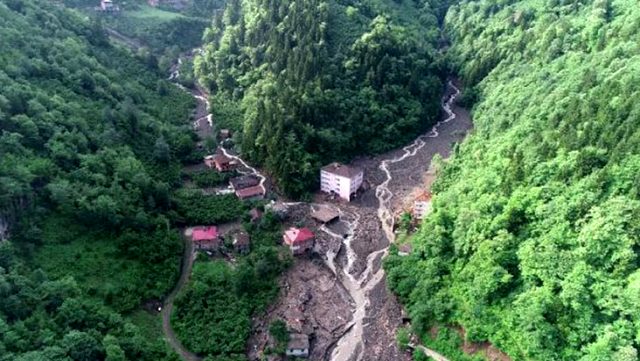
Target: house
(299, 240)
(421, 205)
(222, 162)
(255, 215)
(251, 193)
(241, 242)
(325, 215)
(153, 3)
(341, 179)
(298, 345)
(225, 134)
(208, 161)
(206, 238)
(245, 181)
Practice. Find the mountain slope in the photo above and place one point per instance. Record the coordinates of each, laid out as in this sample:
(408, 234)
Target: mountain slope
(90, 146)
(533, 243)
(311, 82)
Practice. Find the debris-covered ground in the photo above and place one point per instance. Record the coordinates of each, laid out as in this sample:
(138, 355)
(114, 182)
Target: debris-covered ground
(340, 292)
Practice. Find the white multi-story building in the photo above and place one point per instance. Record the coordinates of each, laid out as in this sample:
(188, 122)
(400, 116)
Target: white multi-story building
(341, 180)
(422, 205)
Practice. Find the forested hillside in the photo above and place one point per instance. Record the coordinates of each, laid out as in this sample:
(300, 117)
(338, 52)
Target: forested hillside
(90, 147)
(308, 82)
(534, 239)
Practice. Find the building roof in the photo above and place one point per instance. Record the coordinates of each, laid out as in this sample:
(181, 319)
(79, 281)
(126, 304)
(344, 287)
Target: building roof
(221, 158)
(241, 239)
(204, 233)
(298, 341)
(342, 170)
(245, 181)
(325, 214)
(297, 235)
(250, 192)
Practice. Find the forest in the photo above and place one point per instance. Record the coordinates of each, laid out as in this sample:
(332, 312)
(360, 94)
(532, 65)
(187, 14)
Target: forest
(91, 145)
(311, 82)
(533, 241)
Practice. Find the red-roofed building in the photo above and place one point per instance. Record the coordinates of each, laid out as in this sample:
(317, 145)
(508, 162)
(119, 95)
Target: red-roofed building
(255, 192)
(206, 238)
(221, 162)
(299, 240)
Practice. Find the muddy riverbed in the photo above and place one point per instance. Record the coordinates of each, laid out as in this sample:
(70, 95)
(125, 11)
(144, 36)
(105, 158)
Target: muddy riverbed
(347, 288)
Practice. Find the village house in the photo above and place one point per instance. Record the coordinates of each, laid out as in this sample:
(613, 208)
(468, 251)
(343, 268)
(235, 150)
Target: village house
(299, 240)
(206, 238)
(208, 161)
(245, 181)
(222, 162)
(341, 179)
(251, 193)
(241, 242)
(421, 205)
(325, 215)
(298, 345)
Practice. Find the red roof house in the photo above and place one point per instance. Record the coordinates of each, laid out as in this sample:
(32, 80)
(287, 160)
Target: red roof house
(299, 240)
(222, 162)
(206, 237)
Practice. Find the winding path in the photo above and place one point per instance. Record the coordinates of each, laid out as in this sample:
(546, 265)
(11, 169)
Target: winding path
(352, 344)
(185, 272)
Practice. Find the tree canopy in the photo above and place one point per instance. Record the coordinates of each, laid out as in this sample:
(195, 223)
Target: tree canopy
(533, 241)
(322, 80)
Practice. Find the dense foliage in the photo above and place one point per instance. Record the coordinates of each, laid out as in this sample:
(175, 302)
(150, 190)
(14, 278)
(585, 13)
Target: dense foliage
(50, 319)
(321, 80)
(90, 147)
(533, 242)
(213, 313)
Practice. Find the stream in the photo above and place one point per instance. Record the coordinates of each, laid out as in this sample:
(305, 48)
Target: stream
(351, 345)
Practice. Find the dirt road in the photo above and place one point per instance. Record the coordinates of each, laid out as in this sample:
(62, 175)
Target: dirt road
(185, 273)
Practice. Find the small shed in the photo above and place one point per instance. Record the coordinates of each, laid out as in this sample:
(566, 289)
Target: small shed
(225, 134)
(325, 215)
(298, 345)
(255, 215)
(241, 242)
